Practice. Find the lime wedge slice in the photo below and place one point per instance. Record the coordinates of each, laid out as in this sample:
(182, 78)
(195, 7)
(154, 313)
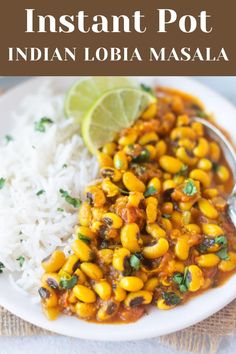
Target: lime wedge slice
(115, 110)
(84, 93)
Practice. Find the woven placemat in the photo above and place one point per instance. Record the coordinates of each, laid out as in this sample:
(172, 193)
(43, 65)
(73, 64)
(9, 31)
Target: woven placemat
(201, 338)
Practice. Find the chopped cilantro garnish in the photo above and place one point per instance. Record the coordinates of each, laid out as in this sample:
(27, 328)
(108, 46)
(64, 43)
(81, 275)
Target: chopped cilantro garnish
(1, 267)
(150, 191)
(178, 278)
(223, 253)
(201, 114)
(190, 188)
(183, 171)
(40, 126)
(221, 240)
(60, 209)
(8, 138)
(135, 262)
(65, 165)
(40, 192)
(68, 283)
(147, 89)
(2, 182)
(73, 201)
(21, 260)
(171, 298)
(215, 166)
(142, 157)
(84, 238)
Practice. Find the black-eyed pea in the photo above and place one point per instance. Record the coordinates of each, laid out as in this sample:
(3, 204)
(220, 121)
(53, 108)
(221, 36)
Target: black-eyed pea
(113, 220)
(152, 151)
(103, 289)
(185, 158)
(161, 148)
(155, 183)
(166, 223)
(207, 208)
(185, 206)
(48, 296)
(182, 248)
(121, 161)
(156, 249)
(186, 143)
(131, 283)
(201, 150)
(151, 284)
(120, 259)
(54, 262)
(107, 310)
(81, 278)
(129, 138)
(210, 193)
(142, 297)
(96, 196)
(104, 160)
(112, 173)
(207, 260)
(183, 119)
(177, 218)
(229, 264)
(198, 128)
(109, 188)
(105, 255)
(84, 294)
(109, 149)
(85, 310)
(168, 184)
(147, 138)
(51, 313)
(135, 198)
(82, 250)
(151, 209)
(92, 270)
(183, 132)
(51, 279)
(201, 176)
(193, 228)
(215, 152)
(96, 226)
(130, 237)
(223, 173)
(142, 275)
(85, 214)
(156, 231)
(170, 164)
(132, 183)
(213, 230)
(205, 164)
(178, 179)
(162, 305)
(195, 278)
(119, 293)
(150, 112)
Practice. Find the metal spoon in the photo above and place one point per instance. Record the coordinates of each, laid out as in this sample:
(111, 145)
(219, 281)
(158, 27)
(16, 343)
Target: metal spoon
(230, 156)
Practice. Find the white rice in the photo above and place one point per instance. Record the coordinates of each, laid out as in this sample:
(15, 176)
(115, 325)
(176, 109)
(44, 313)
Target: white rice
(33, 226)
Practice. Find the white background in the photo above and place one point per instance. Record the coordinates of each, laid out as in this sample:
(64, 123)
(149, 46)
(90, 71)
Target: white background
(63, 345)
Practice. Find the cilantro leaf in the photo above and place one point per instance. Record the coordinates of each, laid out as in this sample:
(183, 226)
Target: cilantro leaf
(223, 253)
(60, 209)
(73, 201)
(40, 125)
(221, 240)
(68, 283)
(143, 156)
(21, 260)
(166, 216)
(183, 171)
(135, 262)
(8, 138)
(150, 191)
(178, 278)
(190, 188)
(171, 298)
(147, 89)
(84, 238)
(2, 182)
(40, 192)
(1, 267)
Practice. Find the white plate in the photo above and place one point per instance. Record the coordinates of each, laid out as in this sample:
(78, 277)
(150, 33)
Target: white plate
(156, 323)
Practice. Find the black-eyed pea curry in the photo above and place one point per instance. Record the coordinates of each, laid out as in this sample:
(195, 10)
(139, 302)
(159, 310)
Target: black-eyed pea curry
(154, 230)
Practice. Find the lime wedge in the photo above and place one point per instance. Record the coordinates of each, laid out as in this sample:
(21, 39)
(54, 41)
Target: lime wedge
(115, 110)
(84, 93)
